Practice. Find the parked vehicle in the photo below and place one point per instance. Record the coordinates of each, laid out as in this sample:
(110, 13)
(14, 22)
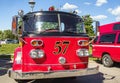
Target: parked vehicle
(15, 41)
(106, 46)
(9, 41)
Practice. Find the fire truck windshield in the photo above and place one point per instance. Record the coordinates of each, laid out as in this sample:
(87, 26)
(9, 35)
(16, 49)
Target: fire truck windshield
(38, 23)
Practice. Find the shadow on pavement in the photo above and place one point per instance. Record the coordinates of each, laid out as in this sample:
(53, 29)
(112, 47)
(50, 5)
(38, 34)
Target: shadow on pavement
(97, 78)
(5, 64)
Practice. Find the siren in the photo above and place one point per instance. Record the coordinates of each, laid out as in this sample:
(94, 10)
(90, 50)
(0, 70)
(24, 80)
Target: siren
(52, 8)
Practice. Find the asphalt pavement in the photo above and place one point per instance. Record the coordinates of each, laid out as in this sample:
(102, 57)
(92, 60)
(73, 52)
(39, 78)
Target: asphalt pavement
(106, 75)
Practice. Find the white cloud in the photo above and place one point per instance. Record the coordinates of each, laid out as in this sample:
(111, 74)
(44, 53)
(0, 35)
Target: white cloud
(115, 12)
(99, 17)
(68, 6)
(87, 3)
(100, 2)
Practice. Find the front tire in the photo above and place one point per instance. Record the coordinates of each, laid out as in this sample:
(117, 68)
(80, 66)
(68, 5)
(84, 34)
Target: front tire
(107, 61)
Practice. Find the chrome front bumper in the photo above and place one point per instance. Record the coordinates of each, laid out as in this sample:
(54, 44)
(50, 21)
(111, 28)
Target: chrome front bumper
(55, 74)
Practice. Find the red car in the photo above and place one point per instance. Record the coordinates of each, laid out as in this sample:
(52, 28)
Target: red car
(106, 46)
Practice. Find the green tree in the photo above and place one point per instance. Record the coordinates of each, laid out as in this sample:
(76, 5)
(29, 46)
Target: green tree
(49, 25)
(7, 34)
(1, 35)
(88, 25)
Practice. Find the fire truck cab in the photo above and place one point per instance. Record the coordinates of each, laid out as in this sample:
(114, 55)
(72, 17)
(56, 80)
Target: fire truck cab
(54, 44)
(106, 46)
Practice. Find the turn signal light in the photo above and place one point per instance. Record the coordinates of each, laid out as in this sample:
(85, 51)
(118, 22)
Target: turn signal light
(83, 43)
(37, 43)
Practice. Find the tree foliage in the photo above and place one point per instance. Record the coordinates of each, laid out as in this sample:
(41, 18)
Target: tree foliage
(49, 25)
(6, 34)
(88, 25)
(1, 35)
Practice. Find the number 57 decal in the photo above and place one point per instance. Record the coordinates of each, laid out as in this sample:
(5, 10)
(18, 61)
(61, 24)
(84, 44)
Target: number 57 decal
(61, 47)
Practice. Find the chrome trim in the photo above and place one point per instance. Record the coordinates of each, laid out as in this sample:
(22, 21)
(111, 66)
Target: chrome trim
(50, 74)
(55, 64)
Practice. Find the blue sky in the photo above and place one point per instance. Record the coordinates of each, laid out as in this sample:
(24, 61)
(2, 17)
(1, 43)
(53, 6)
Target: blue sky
(105, 11)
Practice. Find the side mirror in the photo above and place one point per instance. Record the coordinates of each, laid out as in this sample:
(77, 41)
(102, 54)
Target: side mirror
(17, 26)
(97, 23)
(14, 24)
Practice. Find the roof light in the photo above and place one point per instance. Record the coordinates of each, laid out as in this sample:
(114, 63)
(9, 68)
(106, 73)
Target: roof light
(52, 8)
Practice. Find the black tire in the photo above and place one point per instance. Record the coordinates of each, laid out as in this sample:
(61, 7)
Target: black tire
(107, 61)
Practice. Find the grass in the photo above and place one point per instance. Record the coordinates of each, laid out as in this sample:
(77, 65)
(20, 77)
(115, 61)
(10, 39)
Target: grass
(90, 52)
(6, 50)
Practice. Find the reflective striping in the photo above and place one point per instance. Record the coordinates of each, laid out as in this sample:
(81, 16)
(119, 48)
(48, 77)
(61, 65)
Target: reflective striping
(113, 46)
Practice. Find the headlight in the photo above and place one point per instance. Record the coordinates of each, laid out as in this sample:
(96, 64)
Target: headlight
(82, 52)
(37, 53)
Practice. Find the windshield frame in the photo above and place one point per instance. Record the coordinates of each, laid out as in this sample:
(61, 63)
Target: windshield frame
(60, 17)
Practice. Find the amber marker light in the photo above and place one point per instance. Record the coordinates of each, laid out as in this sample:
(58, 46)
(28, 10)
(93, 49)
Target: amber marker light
(83, 43)
(37, 43)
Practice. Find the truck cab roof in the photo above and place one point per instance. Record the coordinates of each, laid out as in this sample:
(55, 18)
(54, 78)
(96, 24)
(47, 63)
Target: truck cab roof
(111, 27)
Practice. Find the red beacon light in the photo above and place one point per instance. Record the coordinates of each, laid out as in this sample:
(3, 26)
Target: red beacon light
(52, 8)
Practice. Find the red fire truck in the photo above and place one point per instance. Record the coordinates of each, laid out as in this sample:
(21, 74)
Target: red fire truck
(54, 44)
(106, 46)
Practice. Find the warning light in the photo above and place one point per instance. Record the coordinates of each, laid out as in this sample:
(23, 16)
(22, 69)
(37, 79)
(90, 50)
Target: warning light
(52, 8)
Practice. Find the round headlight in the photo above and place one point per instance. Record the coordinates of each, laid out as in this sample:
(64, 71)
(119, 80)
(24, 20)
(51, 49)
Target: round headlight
(37, 53)
(33, 54)
(40, 53)
(82, 52)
